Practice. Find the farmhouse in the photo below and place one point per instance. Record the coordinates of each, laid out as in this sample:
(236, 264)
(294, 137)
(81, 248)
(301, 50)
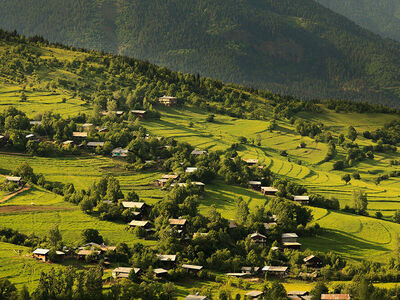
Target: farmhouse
(139, 113)
(192, 268)
(138, 207)
(190, 169)
(180, 224)
(289, 237)
(119, 152)
(196, 297)
(198, 152)
(258, 238)
(78, 134)
(41, 254)
(95, 144)
(276, 270)
(168, 261)
(335, 297)
(14, 179)
(123, 272)
(269, 190)
(313, 261)
(160, 272)
(298, 295)
(144, 224)
(304, 200)
(250, 161)
(254, 294)
(168, 100)
(255, 185)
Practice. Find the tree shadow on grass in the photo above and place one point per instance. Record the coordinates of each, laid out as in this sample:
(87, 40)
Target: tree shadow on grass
(341, 242)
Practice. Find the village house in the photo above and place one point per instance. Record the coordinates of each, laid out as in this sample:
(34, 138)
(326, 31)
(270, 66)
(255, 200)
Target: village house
(335, 297)
(168, 100)
(279, 271)
(140, 208)
(250, 270)
(87, 126)
(95, 144)
(160, 272)
(303, 200)
(35, 123)
(198, 152)
(180, 224)
(43, 254)
(313, 261)
(270, 225)
(123, 272)
(190, 169)
(289, 241)
(144, 224)
(119, 152)
(160, 182)
(258, 238)
(67, 143)
(194, 269)
(94, 246)
(139, 113)
(84, 253)
(196, 297)
(170, 176)
(14, 179)
(167, 261)
(269, 190)
(250, 161)
(81, 135)
(299, 295)
(255, 185)
(254, 295)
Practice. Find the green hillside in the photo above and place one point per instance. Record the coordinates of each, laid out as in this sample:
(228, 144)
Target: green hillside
(294, 47)
(379, 16)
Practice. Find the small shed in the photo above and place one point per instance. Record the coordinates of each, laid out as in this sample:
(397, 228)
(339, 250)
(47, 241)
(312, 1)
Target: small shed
(179, 223)
(139, 113)
(250, 270)
(168, 100)
(335, 297)
(168, 261)
(78, 134)
(190, 169)
(255, 185)
(304, 200)
(279, 271)
(269, 190)
(192, 268)
(258, 238)
(119, 152)
(313, 261)
(123, 272)
(254, 294)
(292, 245)
(14, 179)
(160, 272)
(289, 237)
(95, 144)
(198, 152)
(250, 161)
(41, 254)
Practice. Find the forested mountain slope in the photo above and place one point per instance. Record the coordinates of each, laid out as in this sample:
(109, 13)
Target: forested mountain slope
(380, 16)
(296, 47)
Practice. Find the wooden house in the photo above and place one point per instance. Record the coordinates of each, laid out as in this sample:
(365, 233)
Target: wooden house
(14, 179)
(140, 209)
(84, 253)
(167, 261)
(198, 152)
(119, 152)
(160, 273)
(41, 254)
(168, 100)
(335, 297)
(95, 144)
(143, 224)
(196, 297)
(303, 200)
(123, 272)
(250, 270)
(180, 224)
(313, 261)
(269, 190)
(194, 269)
(255, 185)
(80, 135)
(139, 113)
(258, 238)
(250, 161)
(289, 237)
(279, 271)
(254, 295)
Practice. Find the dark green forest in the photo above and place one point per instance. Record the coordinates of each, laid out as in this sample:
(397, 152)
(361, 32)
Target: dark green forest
(291, 47)
(379, 16)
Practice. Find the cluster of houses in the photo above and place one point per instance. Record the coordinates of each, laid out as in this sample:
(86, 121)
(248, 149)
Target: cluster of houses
(93, 251)
(292, 295)
(269, 190)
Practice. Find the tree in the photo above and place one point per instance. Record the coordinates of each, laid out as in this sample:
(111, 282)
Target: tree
(24, 294)
(113, 190)
(351, 133)
(346, 178)
(8, 291)
(360, 201)
(55, 236)
(242, 211)
(26, 172)
(319, 289)
(210, 118)
(91, 235)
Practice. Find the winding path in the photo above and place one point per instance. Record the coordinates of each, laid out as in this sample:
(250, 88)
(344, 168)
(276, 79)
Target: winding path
(9, 196)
